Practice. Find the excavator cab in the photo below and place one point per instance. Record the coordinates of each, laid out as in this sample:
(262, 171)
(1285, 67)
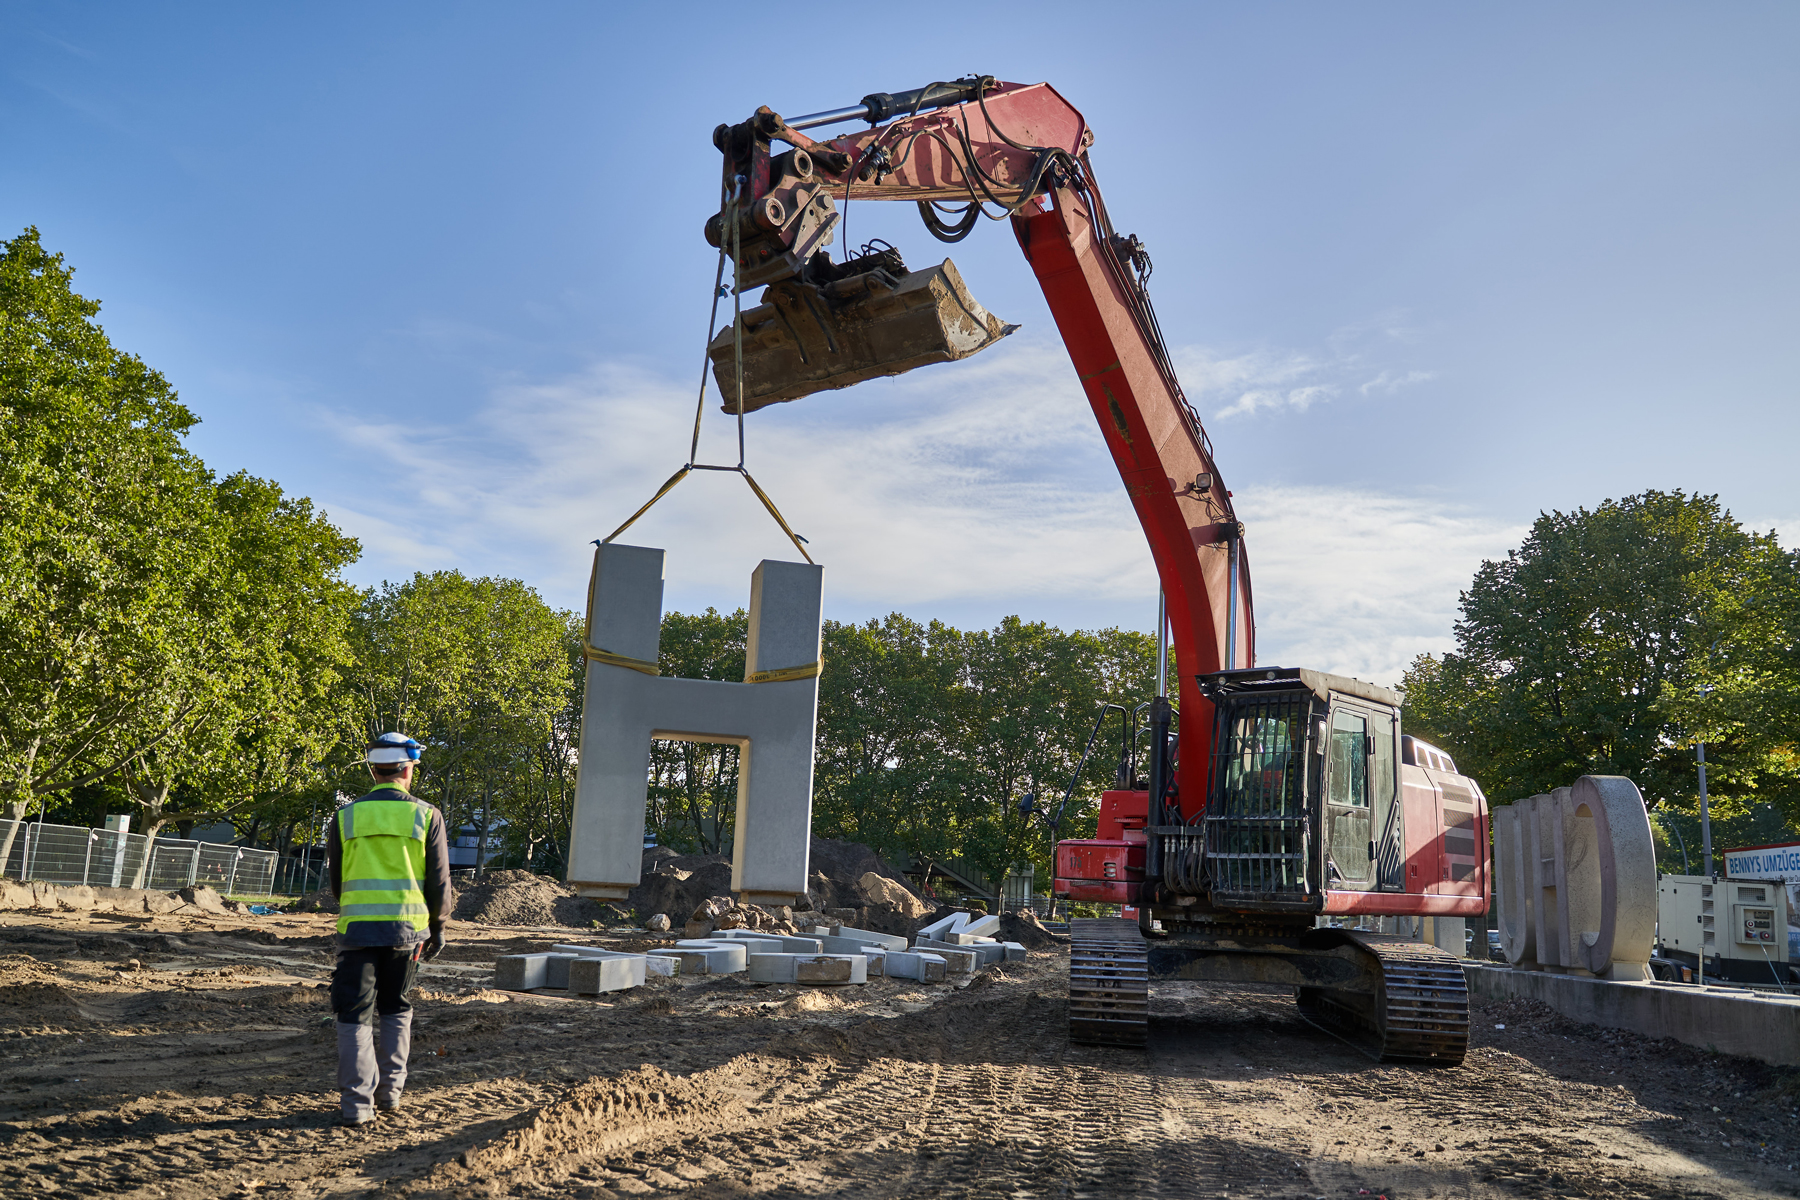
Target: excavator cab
(1302, 792)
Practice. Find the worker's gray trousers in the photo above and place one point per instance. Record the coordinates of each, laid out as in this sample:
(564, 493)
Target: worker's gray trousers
(370, 994)
(372, 1064)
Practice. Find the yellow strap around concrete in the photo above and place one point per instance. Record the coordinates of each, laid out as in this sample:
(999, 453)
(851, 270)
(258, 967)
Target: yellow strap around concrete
(595, 654)
(788, 674)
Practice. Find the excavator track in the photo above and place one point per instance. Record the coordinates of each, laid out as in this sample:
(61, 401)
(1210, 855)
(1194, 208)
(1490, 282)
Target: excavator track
(1419, 1011)
(1109, 982)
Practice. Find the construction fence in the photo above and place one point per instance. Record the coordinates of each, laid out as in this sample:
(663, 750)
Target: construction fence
(70, 854)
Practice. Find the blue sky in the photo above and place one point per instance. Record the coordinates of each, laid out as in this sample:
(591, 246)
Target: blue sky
(1428, 270)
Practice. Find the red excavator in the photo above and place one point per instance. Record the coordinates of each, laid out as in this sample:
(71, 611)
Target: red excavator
(1260, 807)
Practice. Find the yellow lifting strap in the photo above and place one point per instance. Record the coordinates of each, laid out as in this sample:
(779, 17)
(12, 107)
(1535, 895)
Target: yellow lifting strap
(678, 476)
(728, 198)
(789, 674)
(593, 653)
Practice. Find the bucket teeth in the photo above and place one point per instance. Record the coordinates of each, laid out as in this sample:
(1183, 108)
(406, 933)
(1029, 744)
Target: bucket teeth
(804, 338)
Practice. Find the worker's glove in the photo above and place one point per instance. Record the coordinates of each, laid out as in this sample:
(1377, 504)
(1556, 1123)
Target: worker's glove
(434, 945)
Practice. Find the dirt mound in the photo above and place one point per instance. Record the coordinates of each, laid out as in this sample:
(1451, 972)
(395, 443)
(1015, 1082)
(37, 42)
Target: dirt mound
(521, 898)
(319, 901)
(1022, 926)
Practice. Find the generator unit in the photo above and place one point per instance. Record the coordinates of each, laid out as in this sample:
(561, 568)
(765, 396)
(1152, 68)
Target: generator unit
(1736, 928)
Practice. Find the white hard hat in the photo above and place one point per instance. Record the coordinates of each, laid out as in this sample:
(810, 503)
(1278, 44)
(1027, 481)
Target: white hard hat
(392, 748)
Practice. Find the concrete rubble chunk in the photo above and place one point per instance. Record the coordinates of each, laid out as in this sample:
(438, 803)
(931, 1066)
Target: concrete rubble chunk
(907, 964)
(723, 957)
(809, 968)
(655, 964)
(590, 975)
(521, 972)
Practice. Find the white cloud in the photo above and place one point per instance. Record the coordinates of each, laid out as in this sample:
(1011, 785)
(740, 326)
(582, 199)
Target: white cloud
(1227, 385)
(1359, 583)
(967, 493)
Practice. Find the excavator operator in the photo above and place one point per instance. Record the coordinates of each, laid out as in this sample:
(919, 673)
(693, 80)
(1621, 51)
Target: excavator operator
(390, 869)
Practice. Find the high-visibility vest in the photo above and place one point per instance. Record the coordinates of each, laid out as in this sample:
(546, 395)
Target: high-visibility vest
(383, 863)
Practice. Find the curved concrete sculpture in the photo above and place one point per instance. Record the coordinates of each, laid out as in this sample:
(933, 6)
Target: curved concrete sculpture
(1575, 872)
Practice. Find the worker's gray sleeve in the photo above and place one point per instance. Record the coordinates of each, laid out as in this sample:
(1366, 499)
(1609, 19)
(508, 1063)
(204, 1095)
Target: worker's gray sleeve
(438, 896)
(334, 856)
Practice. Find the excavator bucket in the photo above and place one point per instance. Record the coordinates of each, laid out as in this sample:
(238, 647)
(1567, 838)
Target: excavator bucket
(805, 338)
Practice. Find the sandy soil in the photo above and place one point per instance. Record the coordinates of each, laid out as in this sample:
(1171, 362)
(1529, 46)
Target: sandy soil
(206, 1071)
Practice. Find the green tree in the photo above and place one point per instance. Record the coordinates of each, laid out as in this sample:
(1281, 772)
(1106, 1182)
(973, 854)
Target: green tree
(1609, 643)
(478, 671)
(147, 619)
(693, 785)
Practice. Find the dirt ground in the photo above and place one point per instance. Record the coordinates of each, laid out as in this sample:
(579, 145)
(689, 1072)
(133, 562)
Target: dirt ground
(205, 1070)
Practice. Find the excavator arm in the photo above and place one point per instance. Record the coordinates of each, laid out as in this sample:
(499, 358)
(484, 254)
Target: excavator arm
(1017, 152)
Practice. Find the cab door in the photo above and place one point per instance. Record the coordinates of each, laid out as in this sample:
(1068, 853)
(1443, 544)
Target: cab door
(1347, 791)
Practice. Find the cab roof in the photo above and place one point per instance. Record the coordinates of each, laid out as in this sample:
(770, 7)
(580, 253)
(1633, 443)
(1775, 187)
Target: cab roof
(1287, 679)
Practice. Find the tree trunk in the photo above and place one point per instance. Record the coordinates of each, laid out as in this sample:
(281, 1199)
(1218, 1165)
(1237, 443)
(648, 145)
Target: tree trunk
(153, 798)
(15, 817)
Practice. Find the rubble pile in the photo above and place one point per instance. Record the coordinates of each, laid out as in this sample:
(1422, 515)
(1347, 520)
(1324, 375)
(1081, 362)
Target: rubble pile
(847, 882)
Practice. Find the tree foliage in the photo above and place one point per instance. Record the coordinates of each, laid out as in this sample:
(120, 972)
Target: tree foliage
(162, 631)
(1610, 642)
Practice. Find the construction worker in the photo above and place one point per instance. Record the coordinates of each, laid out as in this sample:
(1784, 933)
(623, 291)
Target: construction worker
(390, 869)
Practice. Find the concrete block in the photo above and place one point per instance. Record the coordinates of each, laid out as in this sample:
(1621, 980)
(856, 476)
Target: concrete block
(848, 945)
(556, 969)
(870, 938)
(877, 960)
(957, 959)
(772, 721)
(589, 975)
(809, 968)
(655, 964)
(521, 972)
(710, 958)
(1722, 1020)
(961, 923)
(981, 953)
(788, 945)
(1015, 952)
(907, 964)
(751, 945)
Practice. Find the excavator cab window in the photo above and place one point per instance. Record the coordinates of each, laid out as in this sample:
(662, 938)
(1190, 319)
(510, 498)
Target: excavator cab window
(1347, 791)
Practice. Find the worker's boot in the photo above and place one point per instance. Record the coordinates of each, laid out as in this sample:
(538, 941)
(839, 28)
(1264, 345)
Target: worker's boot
(356, 1072)
(393, 1044)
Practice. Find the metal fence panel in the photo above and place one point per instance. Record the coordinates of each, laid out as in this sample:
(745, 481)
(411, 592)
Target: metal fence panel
(70, 854)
